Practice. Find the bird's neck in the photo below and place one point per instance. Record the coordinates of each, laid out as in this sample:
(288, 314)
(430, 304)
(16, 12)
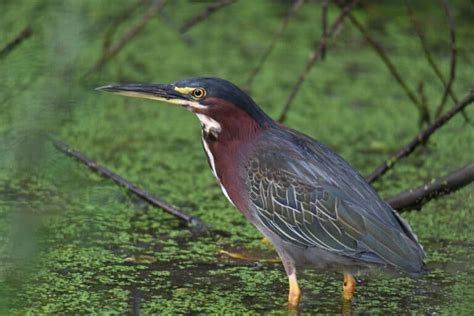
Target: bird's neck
(227, 140)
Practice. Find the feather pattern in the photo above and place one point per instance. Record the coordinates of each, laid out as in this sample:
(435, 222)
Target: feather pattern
(310, 197)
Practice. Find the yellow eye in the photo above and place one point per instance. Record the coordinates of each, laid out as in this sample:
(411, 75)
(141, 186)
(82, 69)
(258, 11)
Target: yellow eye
(198, 93)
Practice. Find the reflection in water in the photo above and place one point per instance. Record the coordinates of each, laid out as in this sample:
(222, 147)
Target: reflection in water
(135, 301)
(293, 311)
(346, 308)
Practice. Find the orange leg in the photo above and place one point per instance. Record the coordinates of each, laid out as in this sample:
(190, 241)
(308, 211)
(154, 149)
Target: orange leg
(348, 287)
(294, 295)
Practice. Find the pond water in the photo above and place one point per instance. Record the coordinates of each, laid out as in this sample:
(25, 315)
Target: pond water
(72, 242)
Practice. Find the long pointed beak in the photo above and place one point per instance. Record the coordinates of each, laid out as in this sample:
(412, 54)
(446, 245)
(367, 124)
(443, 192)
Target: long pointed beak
(161, 92)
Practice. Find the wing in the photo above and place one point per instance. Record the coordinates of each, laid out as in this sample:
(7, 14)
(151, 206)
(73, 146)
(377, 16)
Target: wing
(293, 197)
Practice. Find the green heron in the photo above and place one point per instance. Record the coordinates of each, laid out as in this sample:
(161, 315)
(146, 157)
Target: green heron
(309, 202)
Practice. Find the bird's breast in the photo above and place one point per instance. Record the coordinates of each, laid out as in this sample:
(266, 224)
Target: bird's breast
(226, 161)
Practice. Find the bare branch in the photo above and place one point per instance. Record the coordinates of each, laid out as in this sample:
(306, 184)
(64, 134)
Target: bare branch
(415, 198)
(191, 221)
(293, 9)
(204, 15)
(115, 48)
(117, 21)
(313, 58)
(421, 92)
(421, 138)
(324, 22)
(452, 67)
(23, 35)
(424, 111)
(429, 57)
(171, 23)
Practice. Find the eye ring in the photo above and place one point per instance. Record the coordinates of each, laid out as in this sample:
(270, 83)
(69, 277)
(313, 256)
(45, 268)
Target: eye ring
(198, 93)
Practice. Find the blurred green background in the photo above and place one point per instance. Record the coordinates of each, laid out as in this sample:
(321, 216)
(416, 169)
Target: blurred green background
(72, 242)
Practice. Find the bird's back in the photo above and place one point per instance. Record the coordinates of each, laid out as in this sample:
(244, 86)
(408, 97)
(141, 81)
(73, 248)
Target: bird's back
(311, 197)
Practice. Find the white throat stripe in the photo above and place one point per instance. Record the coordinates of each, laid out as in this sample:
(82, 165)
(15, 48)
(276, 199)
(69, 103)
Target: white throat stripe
(214, 171)
(209, 124)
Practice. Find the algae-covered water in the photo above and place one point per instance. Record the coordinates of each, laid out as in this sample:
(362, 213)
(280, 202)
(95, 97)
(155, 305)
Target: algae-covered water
(72, 242)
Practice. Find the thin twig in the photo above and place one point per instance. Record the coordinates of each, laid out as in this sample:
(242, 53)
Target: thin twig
(117, 21)
(452, 63)
(293, 9)
(192, 221)
(315, 55)
(171, 23)
(204, 15)
(415, 198)
(115, 48)
(421, 92)
(424, 111)
(426, 51)
(23, 35)
(324, 22)
(421, 138)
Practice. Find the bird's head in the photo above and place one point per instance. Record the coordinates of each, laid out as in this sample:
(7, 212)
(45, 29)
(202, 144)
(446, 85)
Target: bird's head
(220, 105)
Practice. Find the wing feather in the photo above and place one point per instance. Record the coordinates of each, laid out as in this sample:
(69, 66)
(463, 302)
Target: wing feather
(295, 200)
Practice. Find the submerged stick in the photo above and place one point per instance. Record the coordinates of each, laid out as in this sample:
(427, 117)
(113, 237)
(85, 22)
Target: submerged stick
(315, 55)
(293, 9)
(191, 221)
(23, 35)
(421, 138)
(204, 15)
(415, 198)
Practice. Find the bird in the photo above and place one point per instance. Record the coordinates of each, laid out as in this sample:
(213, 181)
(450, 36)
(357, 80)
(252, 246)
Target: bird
(313, 206)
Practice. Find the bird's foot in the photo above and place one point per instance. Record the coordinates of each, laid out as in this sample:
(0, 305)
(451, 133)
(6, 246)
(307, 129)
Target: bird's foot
(294, 300)
(294, 296)
(348, 287)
